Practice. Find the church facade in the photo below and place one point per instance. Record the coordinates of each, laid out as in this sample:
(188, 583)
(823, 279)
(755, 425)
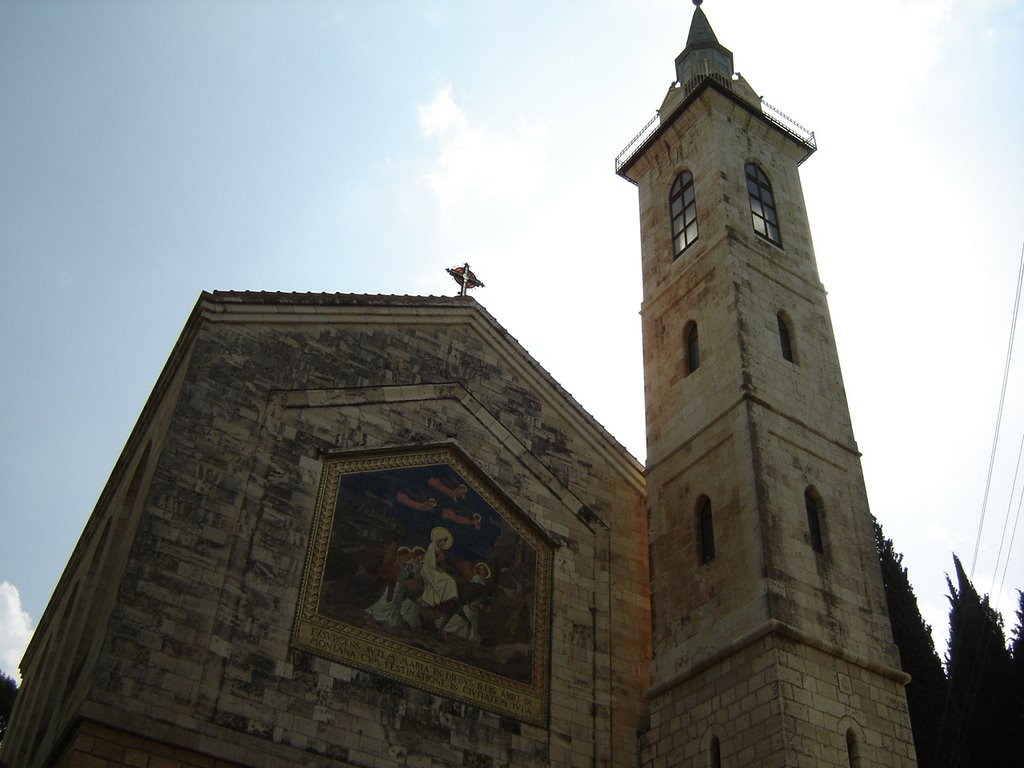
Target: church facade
(372, 531)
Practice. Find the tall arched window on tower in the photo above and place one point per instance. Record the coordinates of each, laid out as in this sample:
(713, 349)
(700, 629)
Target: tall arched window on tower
(682, 206)
(691, 348)
(762, 204)
(785, 338)
(813, 503)
(705, 530)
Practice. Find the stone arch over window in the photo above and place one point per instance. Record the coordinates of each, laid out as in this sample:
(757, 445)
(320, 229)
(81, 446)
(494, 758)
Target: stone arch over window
(705, 530)
(711, 747)
(786, 340)
(763, 215)
(812, 501)
(682, 206)
(854, 741)
(691, 348)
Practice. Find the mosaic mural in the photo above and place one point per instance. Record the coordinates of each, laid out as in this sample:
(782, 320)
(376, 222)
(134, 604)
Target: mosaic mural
(420, 570)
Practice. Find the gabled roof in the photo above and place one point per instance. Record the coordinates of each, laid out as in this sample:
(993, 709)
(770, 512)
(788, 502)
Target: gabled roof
(264, 306)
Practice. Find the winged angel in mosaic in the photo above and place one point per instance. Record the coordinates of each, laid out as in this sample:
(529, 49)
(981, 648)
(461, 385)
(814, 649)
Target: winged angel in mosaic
(419, 555)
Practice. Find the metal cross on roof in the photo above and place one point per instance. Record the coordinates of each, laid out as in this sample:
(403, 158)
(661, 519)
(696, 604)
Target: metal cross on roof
(465, 278)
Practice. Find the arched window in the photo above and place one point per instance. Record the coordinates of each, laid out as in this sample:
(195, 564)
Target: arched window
(852, 749)
(715, 753)
(762, 205)
(711, 747)
(813, 503)
(785, 338)
(682, 206)
(705, 531)
(691, 348)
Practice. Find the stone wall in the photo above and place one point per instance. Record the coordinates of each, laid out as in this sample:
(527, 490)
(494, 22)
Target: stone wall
(94, 745)
(199, 647)
(776, 700)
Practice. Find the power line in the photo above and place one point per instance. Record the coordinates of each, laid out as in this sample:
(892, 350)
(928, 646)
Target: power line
(999, 414)
(1006, 523)
(963, 716)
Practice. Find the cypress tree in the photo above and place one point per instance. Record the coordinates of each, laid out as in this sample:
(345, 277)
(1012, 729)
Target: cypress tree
(1017, 658)
(981, 714)
(928, 687)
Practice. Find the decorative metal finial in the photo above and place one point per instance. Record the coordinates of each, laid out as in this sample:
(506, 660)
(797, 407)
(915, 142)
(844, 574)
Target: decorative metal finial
(698, 2)
(465, 278)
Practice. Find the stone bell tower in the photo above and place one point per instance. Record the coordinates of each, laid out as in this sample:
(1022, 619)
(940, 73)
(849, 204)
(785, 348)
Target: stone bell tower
(771, 641)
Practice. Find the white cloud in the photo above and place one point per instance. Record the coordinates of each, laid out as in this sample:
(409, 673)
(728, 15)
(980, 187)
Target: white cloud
(476, 167)
(937, 532)
(15, 630)
(442, 114)
(498, 196)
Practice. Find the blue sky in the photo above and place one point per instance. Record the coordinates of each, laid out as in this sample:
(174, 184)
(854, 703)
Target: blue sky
(149, 151)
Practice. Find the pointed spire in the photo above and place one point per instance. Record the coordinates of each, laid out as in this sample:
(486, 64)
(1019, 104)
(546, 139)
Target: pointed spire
(701, 35)
(703, 54)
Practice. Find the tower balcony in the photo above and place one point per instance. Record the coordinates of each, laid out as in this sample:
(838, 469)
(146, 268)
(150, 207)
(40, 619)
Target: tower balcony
(680, 95)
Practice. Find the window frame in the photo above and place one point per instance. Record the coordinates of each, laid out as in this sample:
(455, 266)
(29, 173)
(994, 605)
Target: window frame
(764, 214)
(683, 217)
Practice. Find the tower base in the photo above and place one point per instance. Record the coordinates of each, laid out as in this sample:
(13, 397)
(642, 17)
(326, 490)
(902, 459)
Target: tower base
(780, 699)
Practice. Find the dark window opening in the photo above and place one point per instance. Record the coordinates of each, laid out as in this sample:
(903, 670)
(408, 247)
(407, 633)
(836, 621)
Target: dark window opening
(706, 531)
(682, 205)
(715, 756)
(785, 340)
(692, 348)
(813, 505)
(852, 749)
(762, 205)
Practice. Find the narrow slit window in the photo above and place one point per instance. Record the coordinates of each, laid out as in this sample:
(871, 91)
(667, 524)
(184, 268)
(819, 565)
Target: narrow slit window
(682, 205)
(813, 504)
(715, 753)
(785, 338)
(762, 205)
(706, 530)
(692, 348)
(852, 749)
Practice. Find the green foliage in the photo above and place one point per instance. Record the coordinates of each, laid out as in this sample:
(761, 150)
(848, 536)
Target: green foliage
(968, 715)
(1017, 648)
(8, 693)
(1017, 660)
(928, 688)
(982, 711)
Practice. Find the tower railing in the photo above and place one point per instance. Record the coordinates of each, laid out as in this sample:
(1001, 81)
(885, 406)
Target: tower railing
(773, 114)
(790, 126)
(630, 149)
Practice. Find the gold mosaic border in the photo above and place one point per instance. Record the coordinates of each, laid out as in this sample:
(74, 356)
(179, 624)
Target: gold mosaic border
(367, 650)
